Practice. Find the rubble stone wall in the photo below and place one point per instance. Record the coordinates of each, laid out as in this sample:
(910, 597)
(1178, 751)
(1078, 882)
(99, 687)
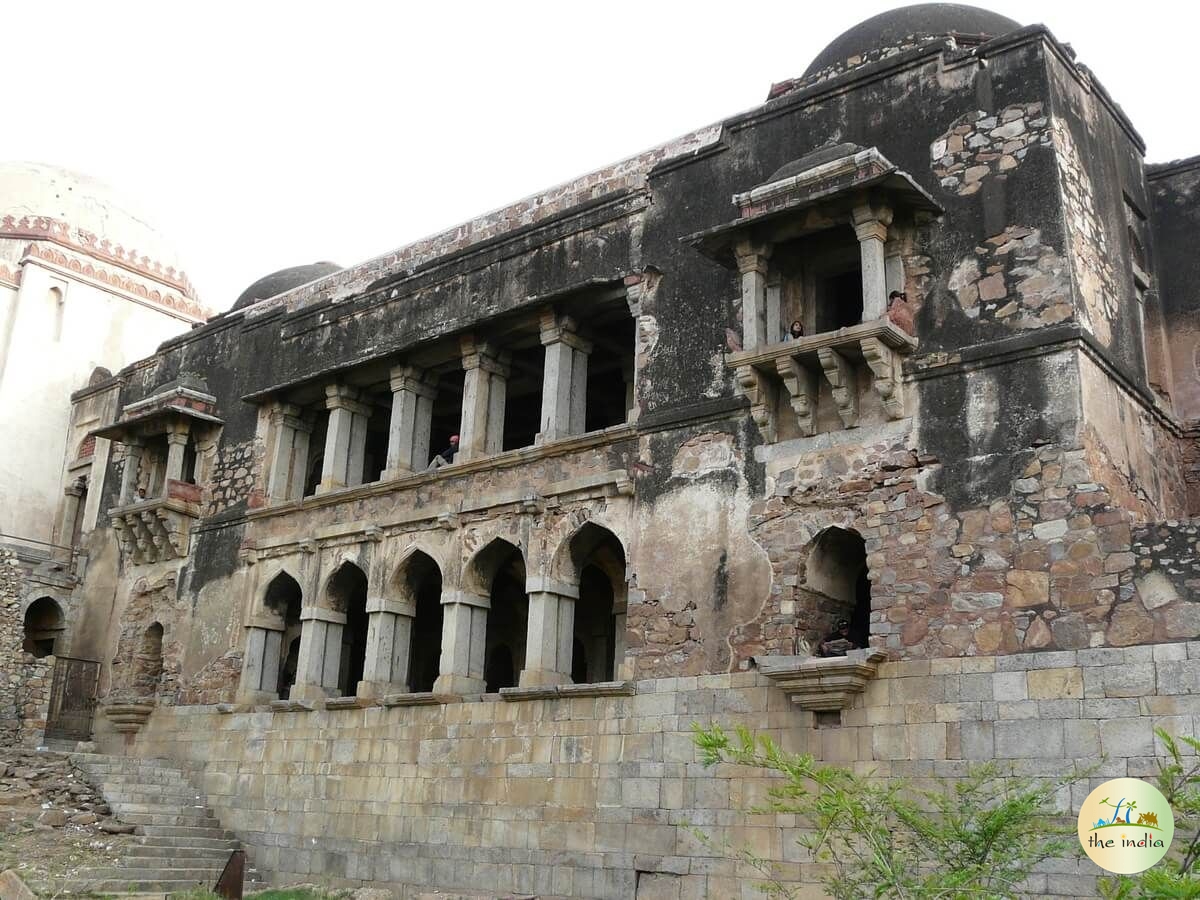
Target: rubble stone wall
(577, 796)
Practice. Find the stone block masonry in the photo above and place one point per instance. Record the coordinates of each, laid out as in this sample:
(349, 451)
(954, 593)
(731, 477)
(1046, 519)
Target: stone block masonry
(580, 795)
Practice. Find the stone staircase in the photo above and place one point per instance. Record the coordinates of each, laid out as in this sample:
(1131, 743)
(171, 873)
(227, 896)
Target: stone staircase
(181, 844)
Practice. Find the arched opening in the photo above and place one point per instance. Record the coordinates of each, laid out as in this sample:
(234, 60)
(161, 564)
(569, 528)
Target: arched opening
(285, 599)
(498, 572)
(597, 559)
(420, 583)
(348, 594)
(148, 665)
(43, 625)
(837, 570)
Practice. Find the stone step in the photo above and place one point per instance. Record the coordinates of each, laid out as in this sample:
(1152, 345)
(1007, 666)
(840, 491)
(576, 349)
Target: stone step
(221, 844)
(167, 819)
(190, 874)
(153, 795)
(142, 851)
(184, 809)
(157, 831)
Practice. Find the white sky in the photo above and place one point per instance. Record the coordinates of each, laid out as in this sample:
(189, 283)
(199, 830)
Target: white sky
(260, 135)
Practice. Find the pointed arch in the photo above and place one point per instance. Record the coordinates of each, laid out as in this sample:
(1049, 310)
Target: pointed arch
(593, 558)
(418, 583)
(497, 572)
(837, 569)
(43, 625)
(346, 592)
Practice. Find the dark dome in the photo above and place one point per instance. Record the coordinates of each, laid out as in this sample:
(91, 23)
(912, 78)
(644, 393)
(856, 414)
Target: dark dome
(284, 280)
(922, 20)
(826, 153)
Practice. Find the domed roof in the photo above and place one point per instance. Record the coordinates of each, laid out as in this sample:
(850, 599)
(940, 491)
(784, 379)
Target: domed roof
(282, 281)
(826, 153)
(921, 20)
(31, 191)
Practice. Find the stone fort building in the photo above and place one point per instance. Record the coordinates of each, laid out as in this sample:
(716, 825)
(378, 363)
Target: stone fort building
(483, 676)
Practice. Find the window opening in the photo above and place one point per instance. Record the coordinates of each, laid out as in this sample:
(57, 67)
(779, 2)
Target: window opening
(421, 584)
(610, 370)
(148, 665)
(348, 594)
(508, 617)
(284, 597)
(446, 419)
(837, 571)
(43, 625)
(523, 401)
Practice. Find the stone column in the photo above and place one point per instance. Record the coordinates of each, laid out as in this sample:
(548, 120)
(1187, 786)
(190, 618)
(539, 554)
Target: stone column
(464, 631)
(551, 641)
(564, 379)
(69, 511)
(289, 454)
(389, 645)
(320, 653)
(484, 389)
(129, 475)
(345, 440)
(752, 263)
(870, 225)
(176, 444)
(261, 661)
(412, 418)
(620, 621)
(775, 325)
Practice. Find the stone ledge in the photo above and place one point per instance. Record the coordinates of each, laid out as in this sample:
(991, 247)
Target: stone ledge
(566, 691)
(420, 698)
(349, 702)
(822, 684)
(292, 705)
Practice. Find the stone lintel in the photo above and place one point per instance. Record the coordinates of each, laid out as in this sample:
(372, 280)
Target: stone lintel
(544, 584)
(321, 614)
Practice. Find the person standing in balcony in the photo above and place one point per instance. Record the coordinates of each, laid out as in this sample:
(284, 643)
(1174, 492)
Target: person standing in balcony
(900, 313)
(796, 331)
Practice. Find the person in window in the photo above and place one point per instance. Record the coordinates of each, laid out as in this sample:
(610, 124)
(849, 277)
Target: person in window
(796, 331)
(838, 641)
(899, 312)
(444, 457)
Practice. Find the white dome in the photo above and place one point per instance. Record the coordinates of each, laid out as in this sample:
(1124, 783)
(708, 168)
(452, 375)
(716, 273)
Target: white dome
(34, 191)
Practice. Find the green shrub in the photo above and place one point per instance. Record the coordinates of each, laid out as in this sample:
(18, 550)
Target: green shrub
(976, 837)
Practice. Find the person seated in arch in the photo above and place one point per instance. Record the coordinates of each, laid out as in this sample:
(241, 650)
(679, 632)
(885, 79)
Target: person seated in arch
(900, 313)
(444, 457)
(838, 641)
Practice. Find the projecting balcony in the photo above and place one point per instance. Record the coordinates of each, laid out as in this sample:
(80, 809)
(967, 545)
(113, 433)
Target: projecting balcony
(158, 529)
(873, 350)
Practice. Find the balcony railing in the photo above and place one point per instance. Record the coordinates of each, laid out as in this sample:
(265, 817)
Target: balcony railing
(797, 366)
(158, 529)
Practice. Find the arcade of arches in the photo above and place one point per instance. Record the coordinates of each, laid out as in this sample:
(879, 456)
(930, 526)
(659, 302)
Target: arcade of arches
(411, 632)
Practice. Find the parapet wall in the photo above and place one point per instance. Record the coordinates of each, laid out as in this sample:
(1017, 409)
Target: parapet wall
(593, 797)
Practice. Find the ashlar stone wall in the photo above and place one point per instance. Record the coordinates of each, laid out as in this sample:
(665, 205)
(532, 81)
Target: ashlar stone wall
(575, 796)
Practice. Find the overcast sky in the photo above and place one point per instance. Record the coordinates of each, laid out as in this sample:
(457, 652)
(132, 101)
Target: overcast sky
(260, 135)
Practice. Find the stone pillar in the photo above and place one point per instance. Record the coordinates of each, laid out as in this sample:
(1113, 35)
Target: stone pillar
(629, 377)
(564, 379)
(484, 389)
(176, 444)
(320, 653)
(752, 263)
(620, 621)
(389, 645)
(412, 420)
(69, 512)
(893, 267)
(870, 225)
(129, 475)
(776, 327)
(261, 661)
(464, 631)
(345, 440)
(551, 641)
(289, 453)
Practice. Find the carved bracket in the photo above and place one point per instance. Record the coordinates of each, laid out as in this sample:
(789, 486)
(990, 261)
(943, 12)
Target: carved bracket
(760, 393)
(885, 365)
(814, 683)
(801, 384)
(839, 372)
